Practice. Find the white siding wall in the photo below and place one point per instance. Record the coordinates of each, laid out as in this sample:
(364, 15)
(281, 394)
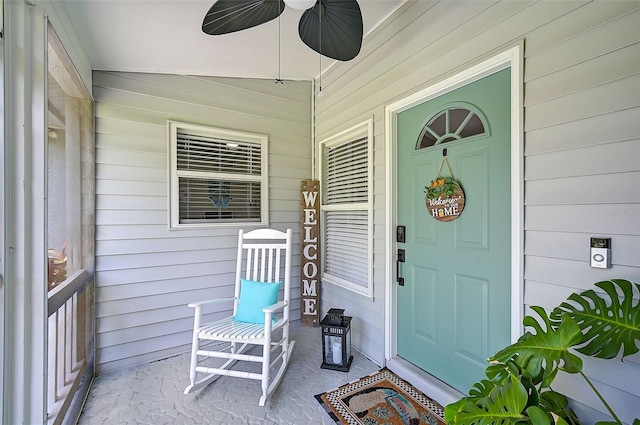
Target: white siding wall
(146, 274)
(582, 150)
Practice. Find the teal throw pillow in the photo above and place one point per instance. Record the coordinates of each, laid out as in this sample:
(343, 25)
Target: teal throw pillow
(254, 296)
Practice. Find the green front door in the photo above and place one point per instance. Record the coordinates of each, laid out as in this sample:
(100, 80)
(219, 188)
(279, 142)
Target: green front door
(454, 307)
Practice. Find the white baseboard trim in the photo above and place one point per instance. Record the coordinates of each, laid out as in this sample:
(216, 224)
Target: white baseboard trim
(428, 384)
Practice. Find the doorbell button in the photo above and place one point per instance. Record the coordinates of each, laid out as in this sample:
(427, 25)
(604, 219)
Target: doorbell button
(601, 253)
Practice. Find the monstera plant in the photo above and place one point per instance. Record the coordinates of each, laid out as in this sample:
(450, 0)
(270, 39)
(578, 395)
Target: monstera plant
(519, 378)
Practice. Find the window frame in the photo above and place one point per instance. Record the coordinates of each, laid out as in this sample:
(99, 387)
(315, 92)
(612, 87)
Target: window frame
(220, 133)
(350, 135)
(444, 138)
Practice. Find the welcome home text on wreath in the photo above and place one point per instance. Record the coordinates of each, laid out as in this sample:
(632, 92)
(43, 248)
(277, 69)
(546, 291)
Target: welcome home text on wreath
(444, 197)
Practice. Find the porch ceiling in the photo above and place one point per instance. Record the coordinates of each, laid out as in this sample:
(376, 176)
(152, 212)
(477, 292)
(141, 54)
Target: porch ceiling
(166, 37)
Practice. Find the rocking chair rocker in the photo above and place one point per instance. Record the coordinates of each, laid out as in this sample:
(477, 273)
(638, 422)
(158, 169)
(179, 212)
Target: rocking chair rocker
(259, 316)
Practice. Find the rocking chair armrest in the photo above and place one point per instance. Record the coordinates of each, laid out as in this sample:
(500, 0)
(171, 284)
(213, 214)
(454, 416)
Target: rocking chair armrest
(275, 307)
(217, 300)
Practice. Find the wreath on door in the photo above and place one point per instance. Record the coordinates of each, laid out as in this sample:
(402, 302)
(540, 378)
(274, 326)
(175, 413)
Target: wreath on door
(444, 197)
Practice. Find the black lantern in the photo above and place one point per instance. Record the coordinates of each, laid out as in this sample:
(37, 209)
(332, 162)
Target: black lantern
(336, 340)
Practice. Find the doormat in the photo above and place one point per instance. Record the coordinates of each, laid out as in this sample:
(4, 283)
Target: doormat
(381, 398)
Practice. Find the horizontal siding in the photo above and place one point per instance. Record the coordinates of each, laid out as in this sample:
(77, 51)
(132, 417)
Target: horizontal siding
(608, 188)
(145, 274)
(620, 401)
(612, 97)
(615, 65)
(576, 275)
(616, 157)
(582, 138)
(585, 44)
(617, 219)
(575, 246)
(614, 127)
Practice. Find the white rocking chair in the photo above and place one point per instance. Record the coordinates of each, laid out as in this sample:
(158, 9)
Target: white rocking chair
(262, 255)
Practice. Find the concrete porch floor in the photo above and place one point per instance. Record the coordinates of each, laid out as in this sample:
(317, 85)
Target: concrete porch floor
(153, 393)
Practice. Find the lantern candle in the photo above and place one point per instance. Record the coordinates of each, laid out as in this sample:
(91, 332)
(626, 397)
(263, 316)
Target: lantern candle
(336, 341)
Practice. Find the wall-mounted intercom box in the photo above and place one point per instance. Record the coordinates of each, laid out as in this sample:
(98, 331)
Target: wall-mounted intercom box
(601, 253)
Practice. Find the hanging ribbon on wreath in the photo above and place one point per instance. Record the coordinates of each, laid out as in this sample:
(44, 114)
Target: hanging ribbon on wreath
(444, 196)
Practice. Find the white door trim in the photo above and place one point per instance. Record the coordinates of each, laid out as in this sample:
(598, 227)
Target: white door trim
(509, 58)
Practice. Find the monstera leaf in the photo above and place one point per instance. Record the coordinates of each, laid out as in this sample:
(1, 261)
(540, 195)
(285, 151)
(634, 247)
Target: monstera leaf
(503, 406)
(546, 351)
(608, 323)
(497, 371)
(558, 404)
(488, 397)
(481, 389)
(478, 394)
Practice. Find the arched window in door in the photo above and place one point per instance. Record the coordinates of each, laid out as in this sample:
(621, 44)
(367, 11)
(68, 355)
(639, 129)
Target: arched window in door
(452, 124)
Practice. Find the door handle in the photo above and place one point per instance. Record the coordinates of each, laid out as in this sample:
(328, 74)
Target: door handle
(399, 259)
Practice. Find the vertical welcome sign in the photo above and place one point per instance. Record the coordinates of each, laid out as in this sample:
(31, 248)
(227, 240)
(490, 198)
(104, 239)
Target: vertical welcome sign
(310, 270)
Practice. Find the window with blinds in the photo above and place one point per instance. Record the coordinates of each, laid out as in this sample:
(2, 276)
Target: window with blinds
(217, 177)
(346, 171)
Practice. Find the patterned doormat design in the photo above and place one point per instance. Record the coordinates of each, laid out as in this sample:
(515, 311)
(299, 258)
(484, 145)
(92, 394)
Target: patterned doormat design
(381, 398)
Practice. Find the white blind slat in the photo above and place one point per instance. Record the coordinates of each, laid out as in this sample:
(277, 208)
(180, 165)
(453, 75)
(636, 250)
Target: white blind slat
(347, 172)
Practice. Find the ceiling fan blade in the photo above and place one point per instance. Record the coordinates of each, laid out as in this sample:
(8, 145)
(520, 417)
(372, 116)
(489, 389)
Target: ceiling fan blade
(227, 16)
(338, 35)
